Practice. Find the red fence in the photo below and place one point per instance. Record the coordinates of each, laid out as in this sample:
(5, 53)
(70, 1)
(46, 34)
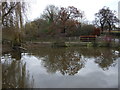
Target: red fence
(89, 38)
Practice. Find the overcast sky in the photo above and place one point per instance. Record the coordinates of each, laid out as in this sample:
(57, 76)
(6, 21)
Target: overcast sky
(90, 7)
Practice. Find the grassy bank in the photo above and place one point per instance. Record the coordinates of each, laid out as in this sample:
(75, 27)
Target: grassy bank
(40, 44)
(72, 44)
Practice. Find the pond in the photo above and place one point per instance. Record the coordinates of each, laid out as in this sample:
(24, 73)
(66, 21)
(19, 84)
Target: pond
(76, 67)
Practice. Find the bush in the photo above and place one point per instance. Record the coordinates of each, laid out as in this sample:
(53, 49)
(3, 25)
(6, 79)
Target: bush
(59, 44)
(87, 30)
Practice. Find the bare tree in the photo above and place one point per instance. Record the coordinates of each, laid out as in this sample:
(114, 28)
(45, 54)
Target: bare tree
(51, 13)
(106, 17)
(12, 13)
(12, 19)
(66, 14)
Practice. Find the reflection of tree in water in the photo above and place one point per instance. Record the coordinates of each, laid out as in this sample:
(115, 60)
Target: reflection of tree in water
(14, 74)
(68, 62)
(16, 54)
(89, 52)
(106, 59)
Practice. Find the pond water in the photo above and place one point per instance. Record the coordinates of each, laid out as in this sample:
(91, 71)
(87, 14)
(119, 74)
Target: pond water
(61, 68)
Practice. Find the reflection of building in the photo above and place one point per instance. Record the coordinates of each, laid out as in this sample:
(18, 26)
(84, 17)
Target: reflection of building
(119, 11)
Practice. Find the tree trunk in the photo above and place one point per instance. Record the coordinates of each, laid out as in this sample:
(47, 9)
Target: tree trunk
(109, 27)
(102, 28)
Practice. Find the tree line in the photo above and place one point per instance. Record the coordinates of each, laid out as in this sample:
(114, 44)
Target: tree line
(70, 21)
(57, 21)
(54, 22)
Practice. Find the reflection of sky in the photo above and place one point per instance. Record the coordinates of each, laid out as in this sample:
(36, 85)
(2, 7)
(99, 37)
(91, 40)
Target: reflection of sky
(92, 76)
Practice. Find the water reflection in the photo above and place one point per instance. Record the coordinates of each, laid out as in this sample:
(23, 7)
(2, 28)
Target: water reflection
(71, 60)
(66, 61)
(22, 70)
(104, 57)
(16, 55)
(14, 73)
